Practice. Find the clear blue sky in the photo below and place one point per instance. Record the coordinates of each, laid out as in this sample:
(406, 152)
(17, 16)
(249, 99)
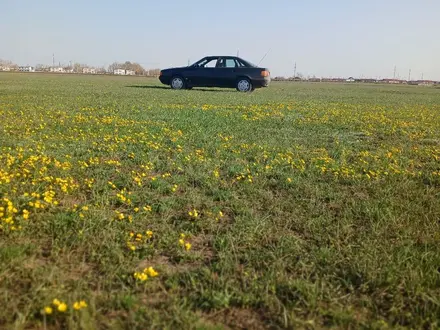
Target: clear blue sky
(324, 37)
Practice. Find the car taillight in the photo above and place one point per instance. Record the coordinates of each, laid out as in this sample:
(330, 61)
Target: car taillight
(265, 73)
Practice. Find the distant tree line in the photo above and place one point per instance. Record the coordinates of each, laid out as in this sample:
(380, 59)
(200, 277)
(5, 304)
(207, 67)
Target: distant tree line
(80, 68)
(9, 64)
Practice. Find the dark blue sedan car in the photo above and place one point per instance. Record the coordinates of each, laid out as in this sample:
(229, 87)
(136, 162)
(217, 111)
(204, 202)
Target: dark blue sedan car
(217, 71)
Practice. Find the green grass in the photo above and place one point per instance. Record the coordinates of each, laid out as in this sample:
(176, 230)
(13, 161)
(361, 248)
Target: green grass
(318, 205)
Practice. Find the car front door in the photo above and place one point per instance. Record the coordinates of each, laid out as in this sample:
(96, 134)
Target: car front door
(202, 74)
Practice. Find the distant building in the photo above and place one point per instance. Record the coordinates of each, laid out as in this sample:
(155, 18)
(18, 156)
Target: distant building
(351, 79)
(367, 80)
(89, 70)
(333, 80)
(425, 82)
(119, 71)
(124, 72)
(57, 69)
(393, 81)
(5, 68)
(26, 68)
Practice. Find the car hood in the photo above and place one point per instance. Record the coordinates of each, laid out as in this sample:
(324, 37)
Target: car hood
(175, 68)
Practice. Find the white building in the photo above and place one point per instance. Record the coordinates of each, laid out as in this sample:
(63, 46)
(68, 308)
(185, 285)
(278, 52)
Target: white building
(119, 71)
(130, 72)
(56, 69)
(26, 68)
(5, 68)
(89, 70)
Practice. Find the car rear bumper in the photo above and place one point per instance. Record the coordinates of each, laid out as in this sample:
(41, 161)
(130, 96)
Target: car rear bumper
(261, 82)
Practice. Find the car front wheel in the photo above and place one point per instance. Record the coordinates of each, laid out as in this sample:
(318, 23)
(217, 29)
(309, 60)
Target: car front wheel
(177, 83)
(244, 85)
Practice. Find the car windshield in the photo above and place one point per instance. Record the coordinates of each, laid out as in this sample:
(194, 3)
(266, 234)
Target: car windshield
(205, 62)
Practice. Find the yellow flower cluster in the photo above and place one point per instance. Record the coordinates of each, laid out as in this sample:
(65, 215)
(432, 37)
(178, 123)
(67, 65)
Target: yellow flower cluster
(136, 240)
(147, 272)
(62, 307)
(194, 214)
(185, 244)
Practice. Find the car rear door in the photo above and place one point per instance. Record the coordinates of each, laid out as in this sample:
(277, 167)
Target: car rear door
(222, 73)
(232, 71)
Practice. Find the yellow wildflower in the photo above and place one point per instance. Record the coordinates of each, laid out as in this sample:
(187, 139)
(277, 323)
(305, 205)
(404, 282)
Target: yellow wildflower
(140, 276)
(194, 214)
(62, 307)
(151, 272)
(25, 214)
(79, 304)
(47, 310)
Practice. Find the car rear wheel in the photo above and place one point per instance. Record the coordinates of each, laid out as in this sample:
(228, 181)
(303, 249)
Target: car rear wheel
(177, 83)
(244, 85)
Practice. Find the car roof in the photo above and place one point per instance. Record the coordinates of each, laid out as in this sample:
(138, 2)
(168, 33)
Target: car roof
(228, 56)
(216, 56)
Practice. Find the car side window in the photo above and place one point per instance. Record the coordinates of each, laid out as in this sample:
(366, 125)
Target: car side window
(230, 63)
(207, 63)
(240, 64)
(211, 64)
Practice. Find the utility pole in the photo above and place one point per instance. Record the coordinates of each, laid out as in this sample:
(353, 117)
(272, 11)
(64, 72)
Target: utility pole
(294, 71)
(409, 75)
(394, 77)
(422, 75)
(53, 60)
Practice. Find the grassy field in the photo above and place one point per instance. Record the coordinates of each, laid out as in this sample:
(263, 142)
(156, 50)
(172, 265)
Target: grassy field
(125, 205)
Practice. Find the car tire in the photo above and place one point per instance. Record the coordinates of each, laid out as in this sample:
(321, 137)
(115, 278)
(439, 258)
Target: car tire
(244, 85)
(177, 82)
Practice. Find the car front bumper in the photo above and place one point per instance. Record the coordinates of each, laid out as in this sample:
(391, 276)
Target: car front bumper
(165, 80)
